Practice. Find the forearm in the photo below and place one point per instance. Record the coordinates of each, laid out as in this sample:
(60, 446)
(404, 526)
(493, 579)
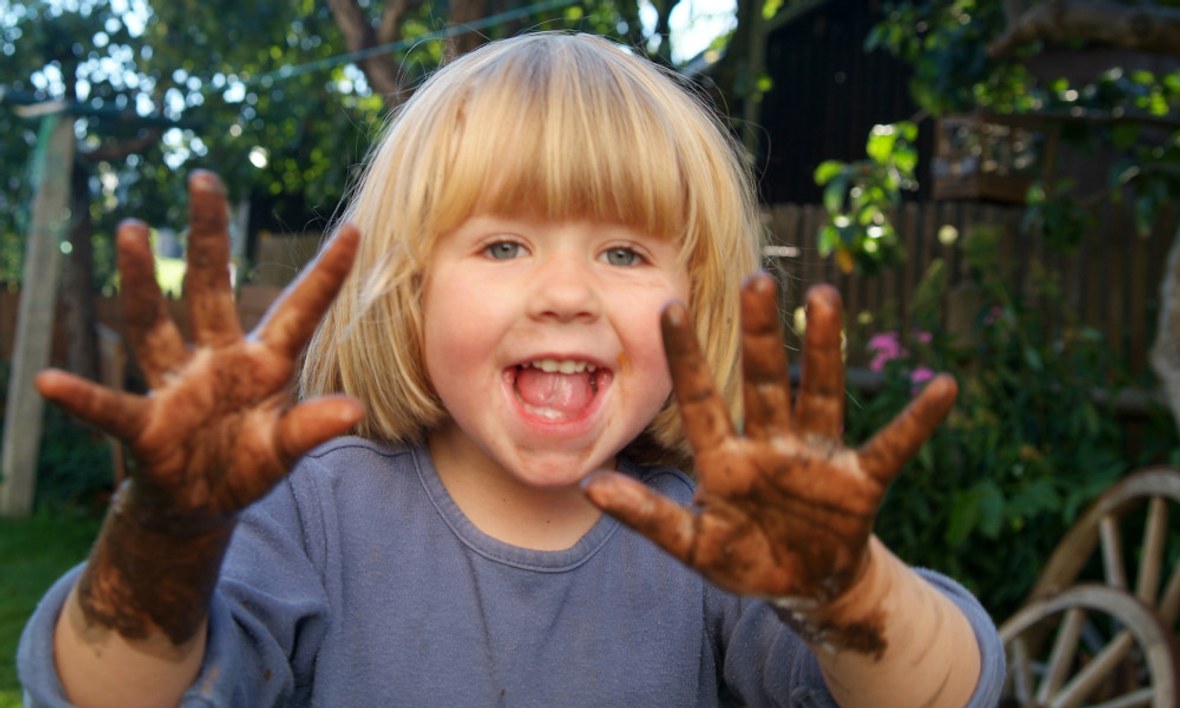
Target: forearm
(134, 627)
(893, 639)
(100, 667)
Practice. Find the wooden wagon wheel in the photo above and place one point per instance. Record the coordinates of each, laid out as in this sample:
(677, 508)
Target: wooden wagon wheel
(1108, 649)
(1112, 525)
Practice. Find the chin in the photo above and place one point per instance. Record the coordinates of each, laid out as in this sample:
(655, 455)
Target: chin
(556, 470)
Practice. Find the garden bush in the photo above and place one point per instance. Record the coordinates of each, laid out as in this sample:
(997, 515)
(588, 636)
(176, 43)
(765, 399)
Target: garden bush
(1029, 443)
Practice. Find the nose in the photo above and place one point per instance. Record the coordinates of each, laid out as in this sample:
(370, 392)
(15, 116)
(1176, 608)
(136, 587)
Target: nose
(565, 290)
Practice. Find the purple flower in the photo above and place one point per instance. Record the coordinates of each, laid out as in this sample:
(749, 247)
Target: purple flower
(885, 346)
(921, 374)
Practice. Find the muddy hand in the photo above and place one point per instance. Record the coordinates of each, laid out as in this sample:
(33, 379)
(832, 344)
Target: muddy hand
(216, 432)
(785, 510)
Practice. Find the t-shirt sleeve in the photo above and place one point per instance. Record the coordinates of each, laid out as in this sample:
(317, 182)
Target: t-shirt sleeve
(266, 619)
(270, 612)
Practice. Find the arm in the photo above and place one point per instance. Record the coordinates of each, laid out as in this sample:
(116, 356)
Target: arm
(216, 432)
(784, 511)
(927, 655)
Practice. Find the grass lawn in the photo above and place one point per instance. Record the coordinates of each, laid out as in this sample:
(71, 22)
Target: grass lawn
(33, 553)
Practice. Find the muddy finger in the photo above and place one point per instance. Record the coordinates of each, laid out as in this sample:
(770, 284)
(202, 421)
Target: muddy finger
(663, 521)
(152, 336)
(313, 423)
(290, 321)
(820, 408)
(766, 389)
(213, 316)
(706, 420)
(114, 412)
(885, 453)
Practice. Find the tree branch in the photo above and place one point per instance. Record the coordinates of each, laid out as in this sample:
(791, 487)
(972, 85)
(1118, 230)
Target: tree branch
(381, 71)
(112, 152)
(463, 12)
(1147, 27)
(389, 26)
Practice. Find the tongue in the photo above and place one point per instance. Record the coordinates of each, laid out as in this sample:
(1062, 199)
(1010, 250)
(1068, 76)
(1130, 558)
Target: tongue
(564, 394)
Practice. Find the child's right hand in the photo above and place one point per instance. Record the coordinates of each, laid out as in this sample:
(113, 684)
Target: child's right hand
(217, 429)
(216, 432)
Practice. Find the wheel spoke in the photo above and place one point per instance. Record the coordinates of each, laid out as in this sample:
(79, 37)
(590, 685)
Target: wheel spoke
(1147, 584)
(1021, 671)
(1170, 601)
(1112, 552)
(1061, 659)
(1142, 697)
(1088, 678)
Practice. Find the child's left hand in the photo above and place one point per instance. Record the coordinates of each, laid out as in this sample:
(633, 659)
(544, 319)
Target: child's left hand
(785, 510)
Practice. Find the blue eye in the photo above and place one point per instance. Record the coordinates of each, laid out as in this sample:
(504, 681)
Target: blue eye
(622, 257)
(503, 250)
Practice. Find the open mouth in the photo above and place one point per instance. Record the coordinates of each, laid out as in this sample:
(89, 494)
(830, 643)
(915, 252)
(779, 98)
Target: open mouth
(558, 389)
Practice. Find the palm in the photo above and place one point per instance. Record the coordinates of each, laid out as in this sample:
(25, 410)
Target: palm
(218, 428)
(783, 510)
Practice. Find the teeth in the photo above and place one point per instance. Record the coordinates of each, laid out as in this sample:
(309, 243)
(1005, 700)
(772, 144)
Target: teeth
(562, 366)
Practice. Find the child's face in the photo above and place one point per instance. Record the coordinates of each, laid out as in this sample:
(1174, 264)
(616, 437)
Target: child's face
(543, 341)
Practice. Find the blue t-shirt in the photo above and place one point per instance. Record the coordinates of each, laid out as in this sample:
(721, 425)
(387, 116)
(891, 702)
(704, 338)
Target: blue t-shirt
(359, 582)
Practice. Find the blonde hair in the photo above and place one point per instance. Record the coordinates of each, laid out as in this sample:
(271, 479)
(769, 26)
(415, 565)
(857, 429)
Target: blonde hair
(559, 126)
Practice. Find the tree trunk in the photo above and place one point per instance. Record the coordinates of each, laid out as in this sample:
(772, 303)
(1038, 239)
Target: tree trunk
(79, 317)
(382, 71)
(1141, 25)
(1165, 352)
(463, 12)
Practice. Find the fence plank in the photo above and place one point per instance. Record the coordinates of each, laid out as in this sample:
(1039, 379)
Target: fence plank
(1110, 282)
(35, 320)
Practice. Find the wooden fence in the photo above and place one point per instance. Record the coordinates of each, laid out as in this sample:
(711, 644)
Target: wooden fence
(1110, 282)
(253, 300)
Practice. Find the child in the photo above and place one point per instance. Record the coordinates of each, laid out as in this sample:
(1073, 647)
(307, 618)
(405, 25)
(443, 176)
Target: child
(524, 222)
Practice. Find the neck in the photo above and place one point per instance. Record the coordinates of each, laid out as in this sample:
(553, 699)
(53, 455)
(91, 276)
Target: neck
(502, 506)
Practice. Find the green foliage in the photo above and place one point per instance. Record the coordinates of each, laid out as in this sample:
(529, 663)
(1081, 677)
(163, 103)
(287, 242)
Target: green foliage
(34, 552)
(859, 195)
(74, 480)
(1027, 446)
(162, 88)
(1059, 216)
(945, 41)
(74, 469)
(1130, 113)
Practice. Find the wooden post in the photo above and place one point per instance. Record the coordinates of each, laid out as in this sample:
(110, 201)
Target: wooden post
(35, 315)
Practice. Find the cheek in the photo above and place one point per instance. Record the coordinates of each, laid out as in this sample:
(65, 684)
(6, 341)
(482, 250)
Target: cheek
(643, 361)
(445, 344)
(451, 350)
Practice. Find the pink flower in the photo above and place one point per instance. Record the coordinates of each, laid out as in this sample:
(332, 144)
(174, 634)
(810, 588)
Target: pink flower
(886, 343)
(885, 347)
(921, 374)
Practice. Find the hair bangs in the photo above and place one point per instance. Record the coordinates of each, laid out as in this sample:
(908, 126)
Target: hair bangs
(557, 142)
